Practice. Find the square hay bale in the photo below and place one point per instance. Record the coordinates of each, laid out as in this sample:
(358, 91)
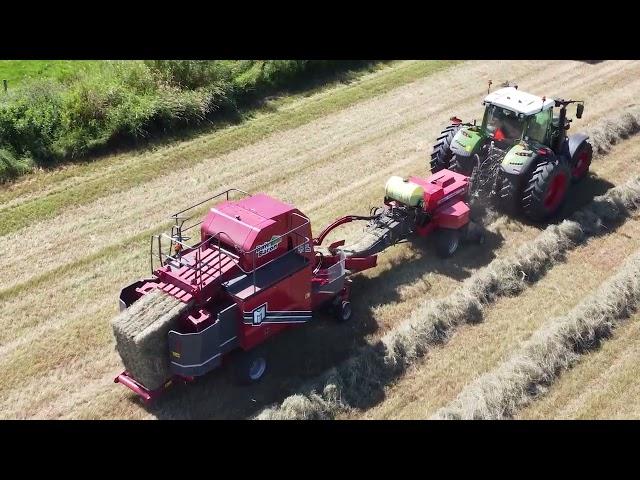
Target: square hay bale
(141, 336)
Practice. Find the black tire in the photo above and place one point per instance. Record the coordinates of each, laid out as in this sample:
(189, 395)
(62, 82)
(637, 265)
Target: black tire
(543, 195)
(463, 165)
(441, 154)
(343, 311)
(508, 200)
(248, 367)
(474, 233)
(581, 161)
(447, 242)
(473, 180)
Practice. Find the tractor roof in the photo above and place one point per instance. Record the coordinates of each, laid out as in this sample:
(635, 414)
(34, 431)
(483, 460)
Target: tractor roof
(522, 102)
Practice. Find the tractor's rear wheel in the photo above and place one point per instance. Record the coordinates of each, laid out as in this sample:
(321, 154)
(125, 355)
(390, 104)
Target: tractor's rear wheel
(441, 154)
(447, 242)
(546, 189)
(581, 161)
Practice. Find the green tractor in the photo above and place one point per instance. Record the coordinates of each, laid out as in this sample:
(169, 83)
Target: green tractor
(520, 154)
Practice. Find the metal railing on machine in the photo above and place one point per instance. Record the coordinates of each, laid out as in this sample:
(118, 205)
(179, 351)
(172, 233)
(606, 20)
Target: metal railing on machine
(178, 230)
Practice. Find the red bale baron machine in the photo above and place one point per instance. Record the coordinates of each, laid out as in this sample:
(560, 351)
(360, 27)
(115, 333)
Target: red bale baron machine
(256, 269)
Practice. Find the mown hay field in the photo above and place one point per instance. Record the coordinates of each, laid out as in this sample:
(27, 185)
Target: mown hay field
(88, 230)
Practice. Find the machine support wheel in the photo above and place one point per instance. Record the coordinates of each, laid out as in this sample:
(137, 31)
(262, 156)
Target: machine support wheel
(249, 367)
(441, 155)
(343, 311)
(546, 190)
(447, 242)
(581, 161)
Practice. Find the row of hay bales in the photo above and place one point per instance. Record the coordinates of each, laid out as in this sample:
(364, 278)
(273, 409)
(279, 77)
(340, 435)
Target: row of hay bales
(612, 129)
(553, 348)
(360, 380)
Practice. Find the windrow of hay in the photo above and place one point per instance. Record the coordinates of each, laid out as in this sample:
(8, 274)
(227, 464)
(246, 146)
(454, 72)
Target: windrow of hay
(141, 336)
(359, 380)
(550, 350)
(609, 131)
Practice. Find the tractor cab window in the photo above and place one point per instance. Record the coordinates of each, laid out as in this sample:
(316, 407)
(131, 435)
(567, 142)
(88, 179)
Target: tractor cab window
(503, 124)
(538, 126)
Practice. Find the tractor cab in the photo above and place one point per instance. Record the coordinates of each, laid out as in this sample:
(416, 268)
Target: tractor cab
(512, 116)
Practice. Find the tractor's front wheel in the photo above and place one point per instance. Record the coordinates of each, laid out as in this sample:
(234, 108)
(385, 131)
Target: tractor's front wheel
(506, 195)
(463, 165)
(546, 190)
(441, 154)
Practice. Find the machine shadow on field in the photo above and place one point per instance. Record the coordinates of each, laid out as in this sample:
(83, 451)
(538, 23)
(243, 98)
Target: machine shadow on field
(300, 354)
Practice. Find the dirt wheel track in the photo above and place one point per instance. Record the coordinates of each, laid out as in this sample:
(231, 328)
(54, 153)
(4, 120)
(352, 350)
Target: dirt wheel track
(56, 349)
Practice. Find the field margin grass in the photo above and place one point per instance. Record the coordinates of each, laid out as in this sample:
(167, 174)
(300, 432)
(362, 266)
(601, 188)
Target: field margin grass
(149, 165)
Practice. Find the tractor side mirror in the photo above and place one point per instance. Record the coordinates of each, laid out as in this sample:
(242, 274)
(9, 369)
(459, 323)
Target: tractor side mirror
(579, 110)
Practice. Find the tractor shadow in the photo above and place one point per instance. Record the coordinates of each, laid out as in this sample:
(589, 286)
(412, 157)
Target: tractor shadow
(580, 195)
(583, 193)
(300, 354)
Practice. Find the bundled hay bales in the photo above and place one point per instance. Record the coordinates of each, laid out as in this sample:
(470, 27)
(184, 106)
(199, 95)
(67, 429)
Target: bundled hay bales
(141, 336)
(553, 348)
(358, 379)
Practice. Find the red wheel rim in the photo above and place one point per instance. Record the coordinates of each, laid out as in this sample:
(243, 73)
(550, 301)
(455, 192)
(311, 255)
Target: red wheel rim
(555, 192)
(581, 166)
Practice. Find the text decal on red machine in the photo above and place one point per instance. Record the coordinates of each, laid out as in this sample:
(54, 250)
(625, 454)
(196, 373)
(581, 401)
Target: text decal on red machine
(269, 246)
(259, 314)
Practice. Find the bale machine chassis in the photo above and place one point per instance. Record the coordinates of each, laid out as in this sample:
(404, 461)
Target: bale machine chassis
(258, 271)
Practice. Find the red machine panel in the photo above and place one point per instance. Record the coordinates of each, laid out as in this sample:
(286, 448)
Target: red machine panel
(273, 309)
(441, 187)
(259, 228)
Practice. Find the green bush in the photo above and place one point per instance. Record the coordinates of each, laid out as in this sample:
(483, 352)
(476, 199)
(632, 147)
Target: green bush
(47, 121)
(12, 166)
(30, 119)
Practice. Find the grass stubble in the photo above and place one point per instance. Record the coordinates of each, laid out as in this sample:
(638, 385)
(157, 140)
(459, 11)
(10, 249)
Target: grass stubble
(552, 349)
